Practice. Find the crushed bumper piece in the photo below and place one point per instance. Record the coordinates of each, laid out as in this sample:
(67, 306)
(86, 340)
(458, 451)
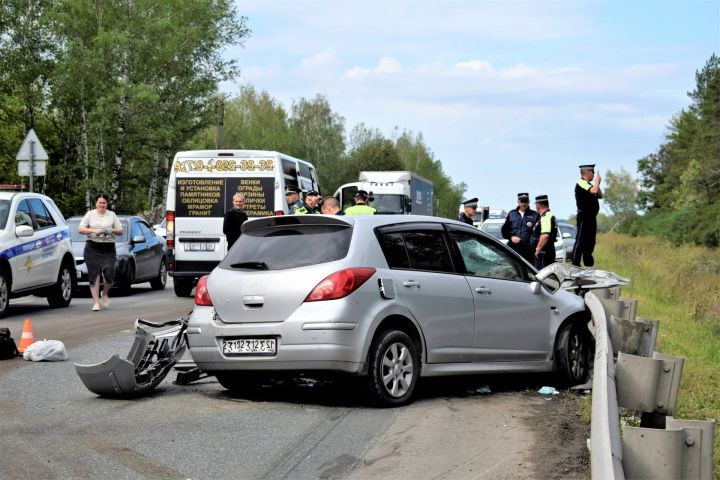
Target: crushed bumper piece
(585, 278)
(151, 357)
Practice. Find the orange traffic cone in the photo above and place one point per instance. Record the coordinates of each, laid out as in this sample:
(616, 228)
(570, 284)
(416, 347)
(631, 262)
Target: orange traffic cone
(27, 338)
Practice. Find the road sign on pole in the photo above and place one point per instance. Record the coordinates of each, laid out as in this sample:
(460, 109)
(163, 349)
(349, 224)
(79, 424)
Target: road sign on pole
(31, 151)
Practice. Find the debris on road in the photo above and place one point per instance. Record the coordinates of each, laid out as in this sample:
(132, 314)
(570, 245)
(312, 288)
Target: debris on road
(46, 351)
(548, 391)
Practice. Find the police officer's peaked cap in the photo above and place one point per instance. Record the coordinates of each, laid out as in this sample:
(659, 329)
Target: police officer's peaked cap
(587, 167)
(471, 202)
(524, 195)
(289, 189)
(311, 193)
(361, 194)
(541, 199)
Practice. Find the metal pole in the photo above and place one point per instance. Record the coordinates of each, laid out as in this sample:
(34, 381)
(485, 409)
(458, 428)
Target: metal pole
(32, 164)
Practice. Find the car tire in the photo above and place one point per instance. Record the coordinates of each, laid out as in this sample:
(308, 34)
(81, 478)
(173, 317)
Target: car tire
(60, 294)
(4, 292)
(393, 369)
(182, 286)
(572, 354)
(159, 282)
(126, 286)
(239, 382)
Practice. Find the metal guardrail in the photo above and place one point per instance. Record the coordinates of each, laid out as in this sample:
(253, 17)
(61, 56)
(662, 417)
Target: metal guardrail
(644, 381)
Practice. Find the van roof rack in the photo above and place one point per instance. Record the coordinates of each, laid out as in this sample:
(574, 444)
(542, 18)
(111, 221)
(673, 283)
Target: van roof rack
(11, 187)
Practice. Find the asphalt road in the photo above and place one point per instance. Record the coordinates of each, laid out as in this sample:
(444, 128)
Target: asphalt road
(52, 427)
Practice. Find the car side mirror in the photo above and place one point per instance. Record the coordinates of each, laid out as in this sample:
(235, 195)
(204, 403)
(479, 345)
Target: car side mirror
(566, 235)
(24, 231)
(535, 287)
(138, 239)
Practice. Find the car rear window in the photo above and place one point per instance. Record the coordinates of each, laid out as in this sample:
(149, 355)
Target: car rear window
(288, 246)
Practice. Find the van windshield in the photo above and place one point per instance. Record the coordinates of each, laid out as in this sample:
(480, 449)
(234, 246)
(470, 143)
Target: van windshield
(388, 204)
(289, 246)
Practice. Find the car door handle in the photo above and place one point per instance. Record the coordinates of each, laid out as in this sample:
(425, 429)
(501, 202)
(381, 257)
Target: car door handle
(483, 290)
(411, 283)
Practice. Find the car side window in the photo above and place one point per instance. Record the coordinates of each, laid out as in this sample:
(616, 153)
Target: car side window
(485, 259)
(42, 215)
(136, 231)
(146, 231)
(428, 251)
(22, 215)
(393, 247)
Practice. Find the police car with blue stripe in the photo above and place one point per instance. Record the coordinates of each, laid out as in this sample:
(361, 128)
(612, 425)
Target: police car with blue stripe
(35, 250)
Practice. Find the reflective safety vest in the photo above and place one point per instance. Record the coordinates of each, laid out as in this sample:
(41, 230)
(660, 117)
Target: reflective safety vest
(360, 210)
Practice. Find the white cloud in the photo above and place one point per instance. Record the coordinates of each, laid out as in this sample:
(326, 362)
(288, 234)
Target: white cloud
(321, 60)
(519, 71)
(387, 65)
(479, 66)
(357, 73)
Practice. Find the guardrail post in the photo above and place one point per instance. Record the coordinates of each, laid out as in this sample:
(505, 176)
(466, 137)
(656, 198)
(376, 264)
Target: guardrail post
(648, 384)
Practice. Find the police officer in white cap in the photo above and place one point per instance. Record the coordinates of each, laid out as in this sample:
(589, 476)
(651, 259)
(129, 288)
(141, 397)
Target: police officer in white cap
(469, 209)
(587, 195)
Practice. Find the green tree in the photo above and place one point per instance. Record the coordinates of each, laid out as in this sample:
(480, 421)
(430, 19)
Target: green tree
(620, 194)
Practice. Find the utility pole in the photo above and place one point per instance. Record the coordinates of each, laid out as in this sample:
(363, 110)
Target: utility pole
(219, 135)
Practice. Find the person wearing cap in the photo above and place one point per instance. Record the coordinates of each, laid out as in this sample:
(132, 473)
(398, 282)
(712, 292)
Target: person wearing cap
(309, 204)
(361, 207)
(469, 209)
(234, 218)
(292, 195)
(331, 206)
(544, 234)
(587, 196)
(518, 227)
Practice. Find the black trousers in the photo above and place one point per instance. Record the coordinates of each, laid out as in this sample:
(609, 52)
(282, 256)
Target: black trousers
(585, 241)
(524, 250)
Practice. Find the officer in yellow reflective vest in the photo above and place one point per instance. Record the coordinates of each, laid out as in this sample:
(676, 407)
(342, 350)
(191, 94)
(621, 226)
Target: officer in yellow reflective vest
(309, 205)
(544, 234)
(361, 207)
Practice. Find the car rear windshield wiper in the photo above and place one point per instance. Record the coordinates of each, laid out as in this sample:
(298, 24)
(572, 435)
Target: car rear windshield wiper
(253, 265)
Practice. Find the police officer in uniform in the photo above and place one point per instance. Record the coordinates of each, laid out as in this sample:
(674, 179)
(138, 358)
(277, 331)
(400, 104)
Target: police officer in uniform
(309, 204)
(518, 227)
(292, 195)
(544, 234)
(587, 195)
(361, 207)
(469, 209)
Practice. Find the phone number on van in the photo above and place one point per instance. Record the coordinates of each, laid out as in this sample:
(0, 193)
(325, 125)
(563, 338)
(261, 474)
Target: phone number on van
(230, 165)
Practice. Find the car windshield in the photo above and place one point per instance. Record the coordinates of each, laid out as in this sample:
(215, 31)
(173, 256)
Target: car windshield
(388, 204)
(4, 210)
(76, 236)
(567, 229)
(493, 229)
(279, 248)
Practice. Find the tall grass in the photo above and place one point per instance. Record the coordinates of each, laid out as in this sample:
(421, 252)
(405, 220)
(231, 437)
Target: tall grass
(680, 287)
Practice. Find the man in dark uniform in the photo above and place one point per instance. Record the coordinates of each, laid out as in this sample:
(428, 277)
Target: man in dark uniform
(234, 218)
(309, 204)
(469, 209)
(587, 195)
(518, 227)
(292, 195)
(544, 233)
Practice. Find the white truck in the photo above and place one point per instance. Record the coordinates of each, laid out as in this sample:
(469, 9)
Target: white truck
(397, 192)
(200, 190)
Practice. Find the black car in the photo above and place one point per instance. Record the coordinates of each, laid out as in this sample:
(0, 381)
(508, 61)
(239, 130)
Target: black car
(141, 254)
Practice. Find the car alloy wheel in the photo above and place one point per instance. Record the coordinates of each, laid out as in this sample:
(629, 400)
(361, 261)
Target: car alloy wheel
(394, 367)
(572, 356)
(4, 294)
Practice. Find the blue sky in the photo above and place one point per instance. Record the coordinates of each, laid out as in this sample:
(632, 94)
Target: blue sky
(510, 96)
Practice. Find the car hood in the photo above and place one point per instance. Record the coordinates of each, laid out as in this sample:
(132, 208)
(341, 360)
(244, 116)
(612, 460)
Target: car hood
(572, 277)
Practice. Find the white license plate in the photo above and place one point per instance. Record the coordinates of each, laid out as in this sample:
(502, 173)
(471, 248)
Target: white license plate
(250, 346)
(199, 247)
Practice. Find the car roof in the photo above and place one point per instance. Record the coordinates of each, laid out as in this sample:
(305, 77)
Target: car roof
(364, 221)
(494, 220)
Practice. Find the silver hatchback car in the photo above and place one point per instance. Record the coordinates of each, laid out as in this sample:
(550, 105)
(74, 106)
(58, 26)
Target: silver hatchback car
(389, 298)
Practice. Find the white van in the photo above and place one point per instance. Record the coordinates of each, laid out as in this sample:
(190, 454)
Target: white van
(200, 190)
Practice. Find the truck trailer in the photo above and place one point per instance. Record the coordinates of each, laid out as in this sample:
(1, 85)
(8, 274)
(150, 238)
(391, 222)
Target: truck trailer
(396, 192)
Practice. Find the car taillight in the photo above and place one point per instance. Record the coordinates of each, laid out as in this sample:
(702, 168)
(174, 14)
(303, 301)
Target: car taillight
(279, 212)
(340, 284)
(170, 229)
(202, 296)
